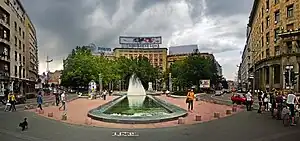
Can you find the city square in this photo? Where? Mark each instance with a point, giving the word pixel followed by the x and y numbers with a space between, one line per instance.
pixel 140 70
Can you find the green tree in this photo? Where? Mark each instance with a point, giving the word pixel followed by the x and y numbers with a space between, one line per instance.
pixel 189 71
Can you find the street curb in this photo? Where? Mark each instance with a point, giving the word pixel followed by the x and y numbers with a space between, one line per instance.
pixel 228 103
pixel 177 96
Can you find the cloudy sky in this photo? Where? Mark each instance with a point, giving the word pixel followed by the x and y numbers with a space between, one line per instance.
pixel 217 26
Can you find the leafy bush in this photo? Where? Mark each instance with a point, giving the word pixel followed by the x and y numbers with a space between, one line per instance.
pixel 180 93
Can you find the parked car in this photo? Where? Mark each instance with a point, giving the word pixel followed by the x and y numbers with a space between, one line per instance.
pixel 239 99
pixel 219 93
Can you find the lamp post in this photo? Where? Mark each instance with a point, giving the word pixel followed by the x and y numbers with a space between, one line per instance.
pixel 100 83
pixel 170 82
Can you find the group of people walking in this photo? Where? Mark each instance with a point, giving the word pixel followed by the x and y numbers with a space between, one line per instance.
pixel 275 102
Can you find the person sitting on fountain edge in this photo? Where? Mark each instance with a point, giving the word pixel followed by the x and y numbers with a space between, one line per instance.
pixel 190 100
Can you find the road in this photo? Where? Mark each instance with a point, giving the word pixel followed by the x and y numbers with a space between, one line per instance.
pixel 226 99
pixel 245 126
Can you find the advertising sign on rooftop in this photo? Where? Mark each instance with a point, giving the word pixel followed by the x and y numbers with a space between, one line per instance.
pixel 138 42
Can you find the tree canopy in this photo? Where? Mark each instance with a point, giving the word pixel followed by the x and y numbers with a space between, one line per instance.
pixel 190 71
pixel 80 67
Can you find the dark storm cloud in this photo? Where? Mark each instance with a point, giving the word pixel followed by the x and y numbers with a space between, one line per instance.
pixel 62 18
pixel 228 7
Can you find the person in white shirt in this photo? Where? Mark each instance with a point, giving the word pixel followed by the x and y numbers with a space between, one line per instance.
pixel 63 101
pixel 249 101
pixel 291 101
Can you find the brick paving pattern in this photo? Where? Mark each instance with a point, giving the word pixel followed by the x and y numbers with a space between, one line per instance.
pixel 77 113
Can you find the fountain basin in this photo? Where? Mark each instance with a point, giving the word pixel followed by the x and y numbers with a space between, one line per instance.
pixel 153 110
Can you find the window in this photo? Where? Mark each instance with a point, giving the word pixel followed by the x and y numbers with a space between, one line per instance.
pixel 262 55
pixel 289 47
pixel 24 73
pixel 16 26
pixel 262 27
pixel 16 41
pixel 23 35
pixel 277 74
pixel 16 71
pixel 290 27
pixel 268 38
pixel 276 1
pixel 268 21
pixel 20 58
pixel 267 4
pixel 16 56
pixel 267 52
pixel 290 11
pixel 248 57
pixel 277 50
pixel 276 32
pixel 20 31
pixel 24 60
pixel 23 47
pixel 262 12
pixel 277 16
pixel 20 45
pixel 262 41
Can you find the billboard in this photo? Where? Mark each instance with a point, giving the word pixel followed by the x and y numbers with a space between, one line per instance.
pixel 204 83
pixel 132 42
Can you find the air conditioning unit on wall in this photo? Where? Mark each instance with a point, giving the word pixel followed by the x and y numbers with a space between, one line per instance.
pixel 276 22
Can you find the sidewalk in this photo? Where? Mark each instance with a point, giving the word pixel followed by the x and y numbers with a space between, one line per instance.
pixel 46 100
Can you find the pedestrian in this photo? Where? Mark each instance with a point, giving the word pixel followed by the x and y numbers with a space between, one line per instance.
pixel 190 100
pixel 260 102
pixel 273 104
pixel 7 106
pixel 57 98
pixel 12 100
pixel 291 101
pixel 248 101
pixel 104 94
pixel 266 101
pixel 40 100
pixel 279 105
pixel 63 101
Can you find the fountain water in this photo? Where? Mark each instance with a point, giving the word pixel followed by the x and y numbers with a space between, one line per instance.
pixel 136 93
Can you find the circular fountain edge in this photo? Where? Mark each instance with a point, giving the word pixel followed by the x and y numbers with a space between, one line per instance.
pixel 176 113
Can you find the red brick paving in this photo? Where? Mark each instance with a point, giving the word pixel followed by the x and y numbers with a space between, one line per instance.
pixel 77 113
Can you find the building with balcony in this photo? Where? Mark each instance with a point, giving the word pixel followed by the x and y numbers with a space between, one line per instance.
pixel 156 56
pixel 14 46
pixel 273 42
pixel 31 54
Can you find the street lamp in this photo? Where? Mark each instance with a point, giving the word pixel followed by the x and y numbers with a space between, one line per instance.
pixel 100 83
pixel 170 82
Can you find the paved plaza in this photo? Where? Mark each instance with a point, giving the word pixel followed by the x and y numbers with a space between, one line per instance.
pixel 246 126
pixel 77 113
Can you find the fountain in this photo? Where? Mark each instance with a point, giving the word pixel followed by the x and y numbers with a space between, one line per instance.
pixel 136 107
pixel 136 93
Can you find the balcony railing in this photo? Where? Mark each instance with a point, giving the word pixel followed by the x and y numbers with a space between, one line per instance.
pixel 4 23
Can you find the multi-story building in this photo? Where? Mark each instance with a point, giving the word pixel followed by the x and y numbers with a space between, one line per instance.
pixel 14 45
pixel 31 51
pixel 274 40
pixel 156 56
